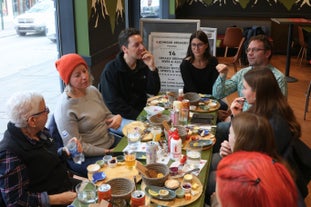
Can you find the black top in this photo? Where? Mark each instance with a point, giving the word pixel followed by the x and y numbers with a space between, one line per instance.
pixel 125 90
pixel 199 80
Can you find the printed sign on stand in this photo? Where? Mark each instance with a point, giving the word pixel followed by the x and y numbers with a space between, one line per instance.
pixel 169 49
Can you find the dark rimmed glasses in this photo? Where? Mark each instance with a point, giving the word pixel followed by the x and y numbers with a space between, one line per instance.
pixel 46 110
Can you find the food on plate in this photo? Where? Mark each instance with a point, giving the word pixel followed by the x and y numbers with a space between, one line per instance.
pixel 153 193
pixel 171 184
pixel 195 186
pixel 132 125
pixel 188 196
pixel 160 175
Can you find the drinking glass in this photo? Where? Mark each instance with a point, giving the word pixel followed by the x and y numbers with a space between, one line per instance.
pixel 86 192
pixel 194 156
pixel 134 137
pixel 183 116
pixel 130 159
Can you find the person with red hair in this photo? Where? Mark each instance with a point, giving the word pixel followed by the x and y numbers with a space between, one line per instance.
pixel 254 179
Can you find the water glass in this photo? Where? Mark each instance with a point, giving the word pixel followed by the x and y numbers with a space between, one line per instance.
pixel 194 156
pixel 183 116
pixel 130 159
pixel 134 137
pixel 78 157
pixel 86 192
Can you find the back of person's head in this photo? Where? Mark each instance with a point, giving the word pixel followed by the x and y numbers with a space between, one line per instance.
pixel 254 179
pixel 125 34
pixel 253 133
pixel 265 40
pixel 269 97
pixel 200 35
pixel 22 105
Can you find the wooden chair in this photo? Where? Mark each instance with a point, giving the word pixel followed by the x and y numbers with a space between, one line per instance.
pixel 307 101
pixel 232 38
pixel 303 45
pixel 236 59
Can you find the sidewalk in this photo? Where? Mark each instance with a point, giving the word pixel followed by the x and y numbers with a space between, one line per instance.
pixel 8 27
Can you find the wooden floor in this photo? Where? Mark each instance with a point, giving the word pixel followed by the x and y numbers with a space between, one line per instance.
pixel 296 97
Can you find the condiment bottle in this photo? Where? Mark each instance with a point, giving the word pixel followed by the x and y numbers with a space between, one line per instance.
pixel 180 94
pixel 175 146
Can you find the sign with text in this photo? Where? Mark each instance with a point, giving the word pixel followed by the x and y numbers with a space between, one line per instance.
pixel 168 50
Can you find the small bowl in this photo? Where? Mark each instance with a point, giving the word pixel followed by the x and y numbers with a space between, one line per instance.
pixel 173 171
pixel 172 184
pixel 193 97
pixel 188 178
pixel 180 193
pixel 112 162
pixel 101 163
pixel 186 187
pixel 163 193
pixel 157 119
pixel 93 168
pixel 120 158
pixel 106 158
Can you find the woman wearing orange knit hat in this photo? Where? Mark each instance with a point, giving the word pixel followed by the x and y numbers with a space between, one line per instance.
pixel 82 113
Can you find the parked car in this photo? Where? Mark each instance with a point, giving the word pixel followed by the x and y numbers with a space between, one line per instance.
pixel 36 19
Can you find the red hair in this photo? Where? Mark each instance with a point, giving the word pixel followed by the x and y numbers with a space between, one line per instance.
pixel 254 179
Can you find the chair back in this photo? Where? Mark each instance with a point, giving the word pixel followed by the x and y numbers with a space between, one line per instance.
pixel 301 39
pixel 233 36
pixel 52 127
pixel 239 52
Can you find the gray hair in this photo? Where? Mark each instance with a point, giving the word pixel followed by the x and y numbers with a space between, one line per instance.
pixel 22 105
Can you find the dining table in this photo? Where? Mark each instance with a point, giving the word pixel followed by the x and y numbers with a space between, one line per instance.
pixel 206 154
pixel 291 22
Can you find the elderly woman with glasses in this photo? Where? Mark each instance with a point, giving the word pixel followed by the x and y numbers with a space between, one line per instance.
pixel 31 172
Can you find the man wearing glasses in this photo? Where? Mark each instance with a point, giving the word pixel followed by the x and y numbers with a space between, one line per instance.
pixel 259 53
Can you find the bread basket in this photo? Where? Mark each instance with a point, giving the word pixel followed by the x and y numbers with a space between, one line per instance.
pixel 121 188
pixel 158 168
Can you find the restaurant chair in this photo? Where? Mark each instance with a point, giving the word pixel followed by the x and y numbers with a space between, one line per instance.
pixel 307 101
pixel 236 59
pixel 232 38
pixel 303 45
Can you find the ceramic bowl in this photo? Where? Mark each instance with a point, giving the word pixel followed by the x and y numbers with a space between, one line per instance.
pixel 92 168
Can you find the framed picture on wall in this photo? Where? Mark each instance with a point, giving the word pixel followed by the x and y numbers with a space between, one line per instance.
pixel 212 37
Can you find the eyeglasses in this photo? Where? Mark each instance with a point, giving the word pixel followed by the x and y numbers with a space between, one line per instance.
pixel 199 45
pixel 46 110
pixel 253 49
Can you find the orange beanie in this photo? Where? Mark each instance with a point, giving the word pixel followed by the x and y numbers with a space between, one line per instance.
pixel 67 63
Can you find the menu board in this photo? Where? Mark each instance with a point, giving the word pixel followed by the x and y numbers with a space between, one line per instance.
pixel 169 49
